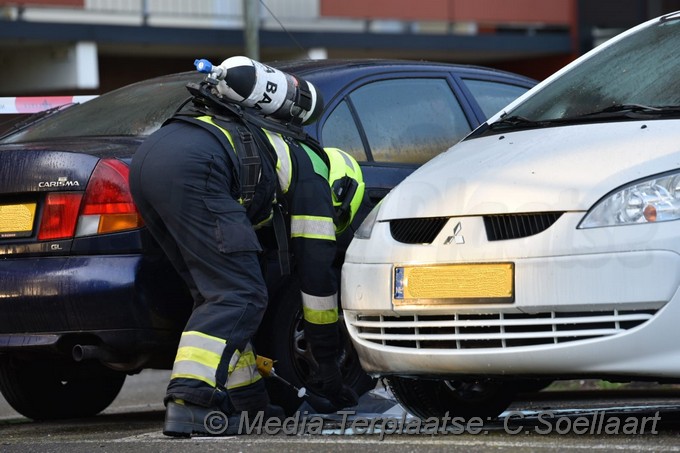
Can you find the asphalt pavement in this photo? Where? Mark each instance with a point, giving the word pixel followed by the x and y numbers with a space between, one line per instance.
pixel 553 421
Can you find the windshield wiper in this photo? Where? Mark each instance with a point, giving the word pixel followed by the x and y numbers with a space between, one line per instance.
pixel 35 118
pixel 515 122
pixel 508 123
pixel 631 111
pixel 505 124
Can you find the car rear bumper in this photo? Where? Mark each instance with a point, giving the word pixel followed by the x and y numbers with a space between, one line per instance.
pixel 126 303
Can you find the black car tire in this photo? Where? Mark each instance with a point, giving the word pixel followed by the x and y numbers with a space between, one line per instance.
pixel 282 339
pixel 48 390
pixel 532 385
pixel 430 398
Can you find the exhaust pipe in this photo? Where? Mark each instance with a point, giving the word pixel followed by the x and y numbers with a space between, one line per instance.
pixel 110 359
pixel 82 352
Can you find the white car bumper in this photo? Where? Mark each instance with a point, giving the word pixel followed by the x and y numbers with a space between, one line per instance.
pixel 585 302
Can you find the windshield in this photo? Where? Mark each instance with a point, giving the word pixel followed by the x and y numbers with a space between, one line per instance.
pixel 134 110
pixel 640 70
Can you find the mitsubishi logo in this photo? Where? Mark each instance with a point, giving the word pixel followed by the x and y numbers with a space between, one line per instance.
pixel 457 237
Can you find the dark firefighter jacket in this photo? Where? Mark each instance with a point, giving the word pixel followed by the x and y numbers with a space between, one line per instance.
pixel 303 183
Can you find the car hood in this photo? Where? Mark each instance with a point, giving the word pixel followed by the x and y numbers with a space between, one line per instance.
pixel 566 168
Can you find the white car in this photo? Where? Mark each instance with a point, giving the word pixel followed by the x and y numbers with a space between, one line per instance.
pixel 544 246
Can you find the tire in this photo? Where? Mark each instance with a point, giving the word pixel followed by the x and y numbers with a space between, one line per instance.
pixel 282 339
pixel 428 398
pixel 532 385
pixel 48 390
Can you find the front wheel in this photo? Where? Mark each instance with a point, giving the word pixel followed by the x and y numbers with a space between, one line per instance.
pixel 483 398
pixel 50 390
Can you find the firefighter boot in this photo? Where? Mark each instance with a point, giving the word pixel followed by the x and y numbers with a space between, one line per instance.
pixel 182 419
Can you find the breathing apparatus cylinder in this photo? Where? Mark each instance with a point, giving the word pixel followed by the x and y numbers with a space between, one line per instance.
pixel 274 93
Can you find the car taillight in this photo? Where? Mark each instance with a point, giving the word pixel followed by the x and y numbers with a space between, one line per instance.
pixel 60 214
pixel 107 205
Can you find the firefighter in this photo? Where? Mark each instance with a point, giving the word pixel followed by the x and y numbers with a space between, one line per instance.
pixel 187 182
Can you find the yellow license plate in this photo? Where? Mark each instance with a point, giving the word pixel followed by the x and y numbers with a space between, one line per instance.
pixel 454 283
pixel 16 220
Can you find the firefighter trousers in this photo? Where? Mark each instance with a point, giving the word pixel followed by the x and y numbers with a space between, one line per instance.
pixel 182 182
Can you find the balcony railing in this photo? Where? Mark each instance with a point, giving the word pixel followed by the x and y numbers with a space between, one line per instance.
pixel 442 16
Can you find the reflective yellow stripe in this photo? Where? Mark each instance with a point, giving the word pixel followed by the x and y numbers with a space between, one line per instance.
pixel 244 374
pixel 243 369
pixel 203 341
pixel 236 356
pixel 320 316
pixel 234 360
pixel 242 378
pixel 312 227
pixel 188 366
pixel 320 309
pixel 202 356
pixel 264 222
pixel 209 120
pixel 198 356
pixel 284 168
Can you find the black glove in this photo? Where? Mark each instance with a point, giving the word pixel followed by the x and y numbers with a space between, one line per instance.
pixel 330 385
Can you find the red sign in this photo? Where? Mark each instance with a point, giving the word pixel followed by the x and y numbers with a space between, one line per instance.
pixel 80 3
pixel 38 104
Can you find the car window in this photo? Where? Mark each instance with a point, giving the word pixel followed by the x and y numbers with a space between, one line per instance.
pixel 135 110
pixel 618 77
pixel 340 131
pixel 493 96
pixel 407 120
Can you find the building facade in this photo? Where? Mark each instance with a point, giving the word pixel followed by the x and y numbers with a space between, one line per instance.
pixel 92 46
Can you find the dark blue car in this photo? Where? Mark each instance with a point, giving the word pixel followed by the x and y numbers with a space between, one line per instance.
pixel 87 297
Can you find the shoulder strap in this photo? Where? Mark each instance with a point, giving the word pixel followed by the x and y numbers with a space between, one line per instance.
pixel 219 135
pixel 245 157
pixel 250 165
pixel 205 102
pixel 255 141
pixel 279 222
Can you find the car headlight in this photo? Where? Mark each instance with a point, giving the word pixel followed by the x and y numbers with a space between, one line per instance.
pixel 656 199
pixel 366 228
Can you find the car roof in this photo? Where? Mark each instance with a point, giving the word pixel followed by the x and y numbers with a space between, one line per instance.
pixel 330 77
pixel 373 65
pixel 327 73
pixel 331 68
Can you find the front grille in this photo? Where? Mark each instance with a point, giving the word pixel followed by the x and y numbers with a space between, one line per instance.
pixel 515 226
pixel 499 330
pixel 417 231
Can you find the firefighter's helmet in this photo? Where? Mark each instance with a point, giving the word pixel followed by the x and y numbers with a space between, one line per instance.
pixel 347 186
